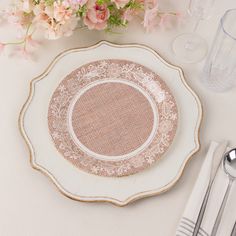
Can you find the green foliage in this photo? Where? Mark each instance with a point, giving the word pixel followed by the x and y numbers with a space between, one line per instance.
pixel 115 20
pixel 101 2
pixel 49 2
pixel 81 11
pixel 35 2
pixel 134 5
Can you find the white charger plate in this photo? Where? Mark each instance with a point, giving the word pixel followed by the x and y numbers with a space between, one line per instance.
pixel 82 186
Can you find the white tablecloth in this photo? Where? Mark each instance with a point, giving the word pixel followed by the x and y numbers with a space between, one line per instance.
pixel 29 203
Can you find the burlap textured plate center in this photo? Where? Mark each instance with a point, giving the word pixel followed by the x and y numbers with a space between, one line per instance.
pixel 109 119
pixel 112 117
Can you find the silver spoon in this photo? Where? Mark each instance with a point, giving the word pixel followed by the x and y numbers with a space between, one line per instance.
pixel 229 165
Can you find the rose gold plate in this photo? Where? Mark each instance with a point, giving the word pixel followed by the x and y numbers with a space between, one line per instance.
pixel 112 117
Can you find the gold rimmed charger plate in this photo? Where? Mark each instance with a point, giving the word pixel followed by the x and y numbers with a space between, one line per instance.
pixel 82 186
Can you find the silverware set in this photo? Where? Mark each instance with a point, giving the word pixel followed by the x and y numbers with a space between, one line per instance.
pixel 229 166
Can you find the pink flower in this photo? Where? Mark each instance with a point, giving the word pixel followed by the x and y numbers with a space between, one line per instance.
pixel 150 15
pixel 55 31
pixel 25 54
pixel 62 11
pixel 2 46
pixel 120 3
pixel 150 19
pixel 18 17
pixel 75 3
pixel 128 14
pixel 150 4
pixel 22 53
pixel 97 16
pixel 57 20
pixel 168 20
pixel 31 42
pixel 27 6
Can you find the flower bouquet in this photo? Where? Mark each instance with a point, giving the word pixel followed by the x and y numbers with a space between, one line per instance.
pixel 58 18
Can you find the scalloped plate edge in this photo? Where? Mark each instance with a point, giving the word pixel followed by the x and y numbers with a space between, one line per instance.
pixel 114 201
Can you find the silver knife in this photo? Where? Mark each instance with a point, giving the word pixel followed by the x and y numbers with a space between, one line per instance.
pixel 217 157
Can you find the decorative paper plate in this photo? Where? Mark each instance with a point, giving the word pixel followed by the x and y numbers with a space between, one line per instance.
pixel 112 117
pixel 98 119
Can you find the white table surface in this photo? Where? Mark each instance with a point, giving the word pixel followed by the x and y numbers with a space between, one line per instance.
pixel 30 205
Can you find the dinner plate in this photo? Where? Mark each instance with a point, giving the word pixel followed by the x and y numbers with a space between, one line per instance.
pixel 112 117
pixel 111 123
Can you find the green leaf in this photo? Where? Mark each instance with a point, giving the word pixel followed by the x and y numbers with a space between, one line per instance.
pixel 134 5
pixel 81 11
pixel 116 20
pixel 100 2
pixel 49 2
pixel 36 2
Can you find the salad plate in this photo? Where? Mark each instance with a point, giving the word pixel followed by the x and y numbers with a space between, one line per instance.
pixel 111 123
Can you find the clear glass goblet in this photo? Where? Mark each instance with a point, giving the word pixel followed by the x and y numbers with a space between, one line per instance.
pixel 219 72
pixel 190 47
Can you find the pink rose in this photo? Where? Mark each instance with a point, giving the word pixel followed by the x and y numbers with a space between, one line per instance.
pixel 120 3
pixel 97 16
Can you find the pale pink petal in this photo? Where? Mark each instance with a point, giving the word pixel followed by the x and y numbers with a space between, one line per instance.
pixel 89 23
pixel 168 21
pixel 101 26
pixel 25 54
pixel 22 53
pixel 120 3
pixel 78 2
pixel 27 6
pixel 128 14
pixel 31 42
pixel 150 19
pixel 92 15
pixel 150 4
pixel 51 34
pixel 37 10
pixel 2 46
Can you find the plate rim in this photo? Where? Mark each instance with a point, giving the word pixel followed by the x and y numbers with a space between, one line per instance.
pixel 135 196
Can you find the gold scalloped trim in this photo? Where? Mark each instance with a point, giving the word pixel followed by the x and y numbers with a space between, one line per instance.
pixel 104 198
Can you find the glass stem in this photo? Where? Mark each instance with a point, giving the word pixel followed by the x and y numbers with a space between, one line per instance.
pixel 196 25
pixel 189 44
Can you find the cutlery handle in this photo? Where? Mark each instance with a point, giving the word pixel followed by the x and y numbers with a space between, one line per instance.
pixel 202 211
pixel 214 168
pixel 221 210
pixel 233 233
